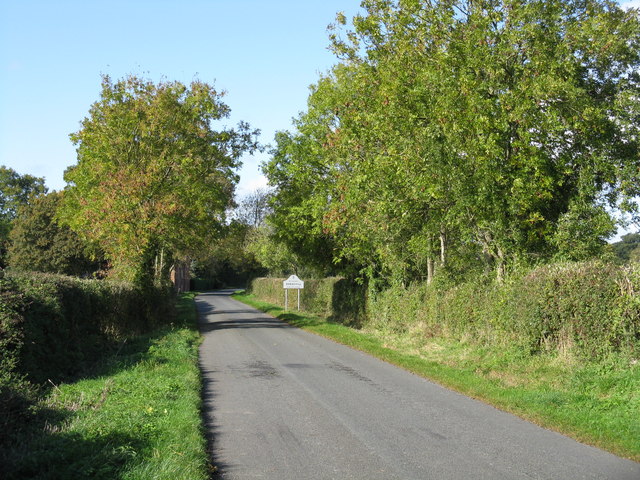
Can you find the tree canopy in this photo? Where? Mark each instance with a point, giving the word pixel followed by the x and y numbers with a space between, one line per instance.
pixel 40 244
pixel 15 191
pixel 154 173
pixel 465 134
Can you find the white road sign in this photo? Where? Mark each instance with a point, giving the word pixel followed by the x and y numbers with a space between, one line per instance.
pixel 293 282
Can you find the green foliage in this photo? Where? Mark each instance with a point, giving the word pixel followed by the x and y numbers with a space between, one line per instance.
pixel 65 323
pixel 588 309
pixel 153 176
pixel 233 260
pixel 227 262
pixel 11 325
pixel 274 254
pixel 626 246
pixel 582 232
pixel 301 176
pixel 54 328
pixel 15 191
pixel 336 298
pixel 40 243
pixel 459 134
pixel 17 395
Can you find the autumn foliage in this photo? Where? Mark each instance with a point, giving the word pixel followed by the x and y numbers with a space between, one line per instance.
pixel 154 176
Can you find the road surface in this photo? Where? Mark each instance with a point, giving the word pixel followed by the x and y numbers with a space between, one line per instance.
pixel 281 403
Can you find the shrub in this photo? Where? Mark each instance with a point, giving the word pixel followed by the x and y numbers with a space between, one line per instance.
pixel 590 309
pixel 16 394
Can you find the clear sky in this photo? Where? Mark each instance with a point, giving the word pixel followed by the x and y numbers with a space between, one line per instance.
pixel 263 53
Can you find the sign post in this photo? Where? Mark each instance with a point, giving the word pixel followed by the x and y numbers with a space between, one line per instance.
pixel 293 282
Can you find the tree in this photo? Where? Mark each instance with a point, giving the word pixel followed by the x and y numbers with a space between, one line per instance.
pixel 15 191
pixel 627 245
pixel 40 244
pixel 274 255
pixel 253 208
pixel 300 172
pixel 228 262
pixel 462 131
pixel 154 177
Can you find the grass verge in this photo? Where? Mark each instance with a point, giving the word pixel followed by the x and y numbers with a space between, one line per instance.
pixel 136 417
pixel 595 403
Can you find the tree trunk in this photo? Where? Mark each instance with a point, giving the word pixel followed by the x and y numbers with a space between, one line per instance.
pixel 429 270
pixel 500 266
pixel 443 247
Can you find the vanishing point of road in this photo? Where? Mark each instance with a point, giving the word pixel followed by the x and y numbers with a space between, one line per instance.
pixel 284 404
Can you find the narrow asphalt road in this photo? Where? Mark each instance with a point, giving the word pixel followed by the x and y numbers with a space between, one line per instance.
pixel 281 403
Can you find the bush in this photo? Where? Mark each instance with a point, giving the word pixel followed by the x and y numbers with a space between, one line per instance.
pixel 590 309
pixel 68 322
pixel 16 394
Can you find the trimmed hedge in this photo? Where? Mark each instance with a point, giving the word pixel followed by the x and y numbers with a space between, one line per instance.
pixel 588 309
pixel 336 298
pixel 53 327
pixel 67 322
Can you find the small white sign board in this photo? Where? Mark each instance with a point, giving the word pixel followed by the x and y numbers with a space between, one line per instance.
pixel 293 282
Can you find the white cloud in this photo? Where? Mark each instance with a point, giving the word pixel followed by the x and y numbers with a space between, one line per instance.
pixel 630 4
pixel 250 185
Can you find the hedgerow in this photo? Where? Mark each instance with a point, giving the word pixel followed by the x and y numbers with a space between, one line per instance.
pixel 590 309
pixel 54 327
pixel 336 298
pixel 587 309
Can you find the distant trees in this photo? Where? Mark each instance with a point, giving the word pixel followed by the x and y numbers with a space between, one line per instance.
pixel 464 135
pixel 15 191
pixel 39 243
pixel 253 208
pixel 628 248
pixel 227 262
pixel 154 175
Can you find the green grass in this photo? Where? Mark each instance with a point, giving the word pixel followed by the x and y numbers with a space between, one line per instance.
pixel 136 417
pixel 595 403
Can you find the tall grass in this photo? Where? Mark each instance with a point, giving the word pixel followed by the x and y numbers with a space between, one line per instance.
pixel 589 310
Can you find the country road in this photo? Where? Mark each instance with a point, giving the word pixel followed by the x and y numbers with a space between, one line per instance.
pixel 281 403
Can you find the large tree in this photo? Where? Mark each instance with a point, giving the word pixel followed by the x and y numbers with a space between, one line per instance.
pixel 155 172
pixel 252 208
pixel 460 129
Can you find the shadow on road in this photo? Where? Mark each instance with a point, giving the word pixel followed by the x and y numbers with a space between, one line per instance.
pixel 210 319
pixel 231 318
pixel 217 468
pixel 242 323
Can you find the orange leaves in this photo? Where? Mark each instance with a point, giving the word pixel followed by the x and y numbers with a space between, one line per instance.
pixel 150 167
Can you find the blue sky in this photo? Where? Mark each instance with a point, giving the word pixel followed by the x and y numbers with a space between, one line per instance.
pixel 263 53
